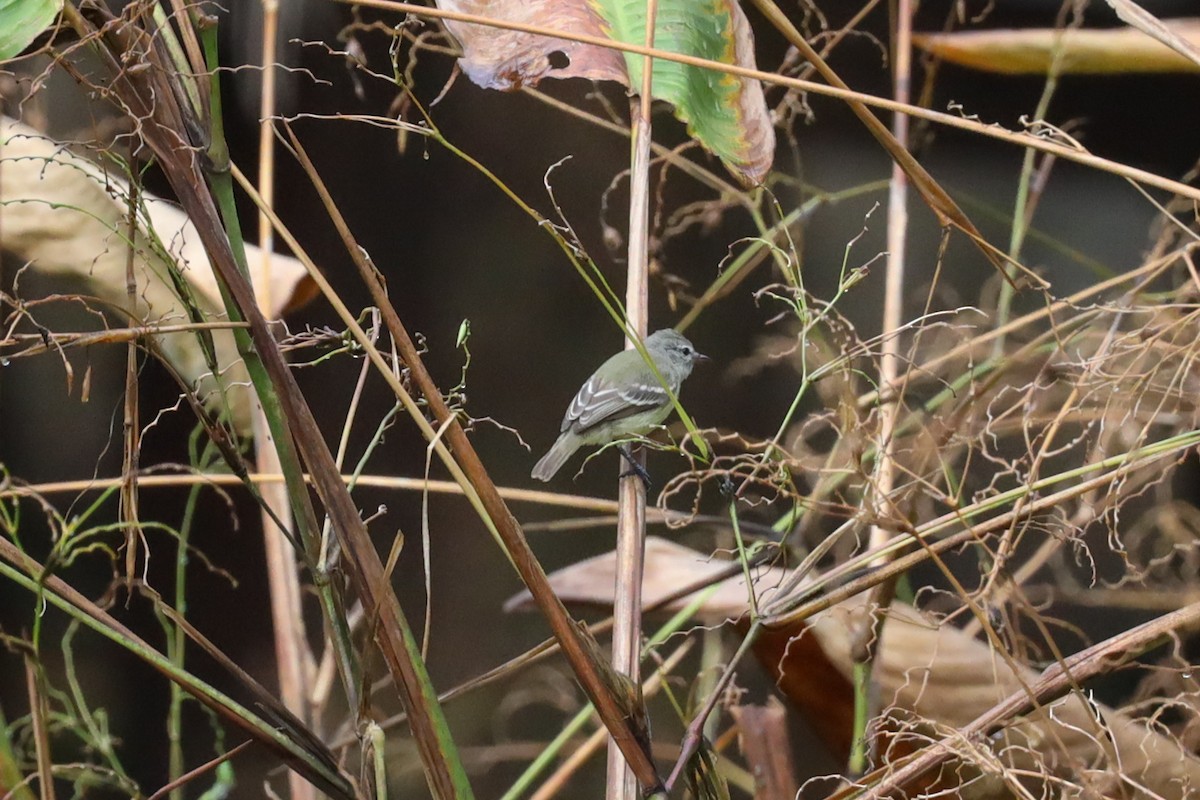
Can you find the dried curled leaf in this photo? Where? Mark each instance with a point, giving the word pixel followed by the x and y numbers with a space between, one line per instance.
pixel 935 673
pixel 669 566
pixel 933 678
pixel 63 215
pixel 725 113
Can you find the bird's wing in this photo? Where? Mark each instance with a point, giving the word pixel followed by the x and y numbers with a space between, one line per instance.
pixel 599 401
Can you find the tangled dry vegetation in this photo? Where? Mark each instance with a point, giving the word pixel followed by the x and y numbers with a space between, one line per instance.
pixel 959 527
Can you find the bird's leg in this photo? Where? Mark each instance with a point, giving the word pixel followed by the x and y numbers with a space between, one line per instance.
pixel 634 467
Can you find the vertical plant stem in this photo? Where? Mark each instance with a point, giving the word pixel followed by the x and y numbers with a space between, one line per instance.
pixel 893 301
pixel 572 763
pixel 283 579
pixel 1026 201
pixel 858 744
pixel 378 742
pixel 266 142
pixel 478 486
pixel 865 637
pixel 279 406
pixel 177 645
pixel 631 498
pixel 130 424
pixel 37 716
pixel 276 405
pixel 203 187
pixel 320 676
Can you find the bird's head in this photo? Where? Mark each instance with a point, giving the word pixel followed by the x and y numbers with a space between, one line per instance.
pixel 672 347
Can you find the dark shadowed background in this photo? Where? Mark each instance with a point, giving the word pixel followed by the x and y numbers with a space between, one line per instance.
pixel 453 248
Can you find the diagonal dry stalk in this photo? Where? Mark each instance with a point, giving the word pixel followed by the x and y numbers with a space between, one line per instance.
pixel 193 774
pixel 616 714
pixel 941 437
pixel 1070 152
pixel 306 756
pixel 152 98
pixel 1058 678
pixel 795 603
pixel 293 659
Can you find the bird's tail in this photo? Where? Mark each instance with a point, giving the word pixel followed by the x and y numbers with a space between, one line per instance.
pixel 566 445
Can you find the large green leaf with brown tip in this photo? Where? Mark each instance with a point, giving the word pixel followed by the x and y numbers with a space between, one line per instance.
pixel 725 113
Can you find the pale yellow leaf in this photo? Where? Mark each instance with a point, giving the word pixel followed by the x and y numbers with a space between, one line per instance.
pixel 1168 33
pixel 1083 52
pixel 62 214
pixel 727 114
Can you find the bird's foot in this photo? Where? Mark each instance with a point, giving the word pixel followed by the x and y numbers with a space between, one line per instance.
pixel 635 468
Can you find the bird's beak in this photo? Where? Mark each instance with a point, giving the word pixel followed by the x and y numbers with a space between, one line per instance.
pixel 700 358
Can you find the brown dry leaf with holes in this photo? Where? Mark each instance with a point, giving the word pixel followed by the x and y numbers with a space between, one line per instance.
pixel 63 215
pixel 495 58
pixel 1082 52
pixel 933 679
pixel 727 114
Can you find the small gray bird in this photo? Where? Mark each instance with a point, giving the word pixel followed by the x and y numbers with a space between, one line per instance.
pixel 623 398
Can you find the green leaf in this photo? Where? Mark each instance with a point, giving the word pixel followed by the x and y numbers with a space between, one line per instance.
pixel 24 21
pixel 724 112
